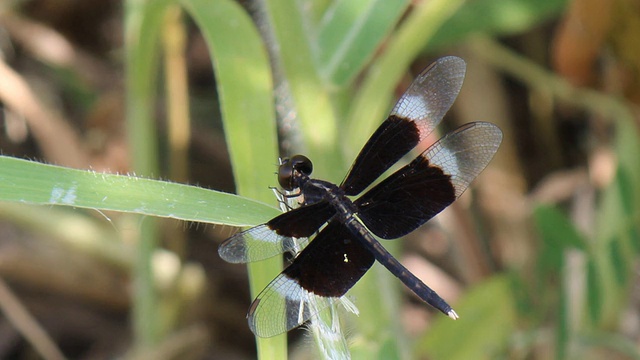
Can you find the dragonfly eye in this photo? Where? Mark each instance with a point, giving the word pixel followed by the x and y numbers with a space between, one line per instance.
pixel 293 170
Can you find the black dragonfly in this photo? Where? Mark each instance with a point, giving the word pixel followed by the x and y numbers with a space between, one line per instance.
pixel 344 249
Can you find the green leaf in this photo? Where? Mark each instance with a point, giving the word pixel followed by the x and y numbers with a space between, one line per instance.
pixel 594 292
pixel 619 261
pixel 245 88
pixel 143 21
pixel 487 322
pixel 349 34
pixel 142 24
pixel 557 230
pixel 628 194
pixel 36 183
pixel 627 146
pixel 310 98
pixel 626 190
pixel 563 328
pixel 496 17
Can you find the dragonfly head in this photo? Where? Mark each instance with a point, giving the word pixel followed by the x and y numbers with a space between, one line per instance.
pixel 294 171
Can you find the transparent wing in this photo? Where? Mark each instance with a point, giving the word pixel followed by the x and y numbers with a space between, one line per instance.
pixel 430 183
pixel 413 118
pixel 282 306
pixel 277 236
pixel 323 272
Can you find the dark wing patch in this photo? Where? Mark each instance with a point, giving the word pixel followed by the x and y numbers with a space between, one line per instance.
pixel 413 118
pixel 430 183
pixel 309 285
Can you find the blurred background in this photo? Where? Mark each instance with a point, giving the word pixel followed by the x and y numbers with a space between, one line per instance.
pixel 539 257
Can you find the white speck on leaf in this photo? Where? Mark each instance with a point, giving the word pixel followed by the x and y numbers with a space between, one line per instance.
pixel 60 195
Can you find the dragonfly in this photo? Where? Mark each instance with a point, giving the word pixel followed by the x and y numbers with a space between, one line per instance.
pixel 345 245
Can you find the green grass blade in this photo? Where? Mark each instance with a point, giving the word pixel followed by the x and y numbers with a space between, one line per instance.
pixel 557 230
pixel 350 33
pixel 243 77
pixel 245 89
pixel 35 183
pixel 142 25
pixel 311 99
pixel 143 20
pixel 496 17
pixel 595 293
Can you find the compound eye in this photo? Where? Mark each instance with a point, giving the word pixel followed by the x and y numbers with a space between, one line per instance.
pixel 293 170
pixel 302 164
pixel 285 174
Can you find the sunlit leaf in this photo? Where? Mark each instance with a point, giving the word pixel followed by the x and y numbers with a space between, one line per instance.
pixel 36 183
pixel 245 88
pixel 349 34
